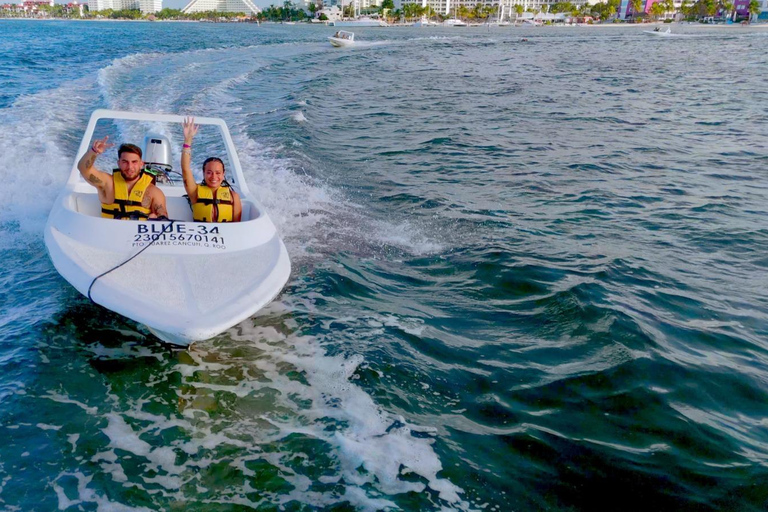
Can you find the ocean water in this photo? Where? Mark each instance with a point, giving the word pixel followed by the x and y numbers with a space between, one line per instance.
pixel 527 275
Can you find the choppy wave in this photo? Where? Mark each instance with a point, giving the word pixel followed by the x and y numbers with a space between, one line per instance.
pixel 523 275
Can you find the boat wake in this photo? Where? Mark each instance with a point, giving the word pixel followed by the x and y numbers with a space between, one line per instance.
pixel 264 408
pixel 261 406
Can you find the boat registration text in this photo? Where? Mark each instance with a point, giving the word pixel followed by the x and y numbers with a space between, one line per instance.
pixel 178 234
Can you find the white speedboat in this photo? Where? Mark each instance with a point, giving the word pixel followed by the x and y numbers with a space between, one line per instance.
pixel 342 38
pixel 454 22
pixel 659 32
pixel 186 281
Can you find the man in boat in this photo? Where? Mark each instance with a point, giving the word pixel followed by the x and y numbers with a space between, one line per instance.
pixel 213 199
pixel 128 193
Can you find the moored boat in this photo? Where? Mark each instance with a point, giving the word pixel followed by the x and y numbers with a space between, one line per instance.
pixel 454 22
pixel 363 21
pixel 186 281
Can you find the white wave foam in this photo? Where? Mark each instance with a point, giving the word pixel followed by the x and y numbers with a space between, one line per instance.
pixel 255 393
pixel 87 495
pixel 32 135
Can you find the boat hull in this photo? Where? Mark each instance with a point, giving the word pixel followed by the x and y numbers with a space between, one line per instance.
pixel 340 43
pixel 186 281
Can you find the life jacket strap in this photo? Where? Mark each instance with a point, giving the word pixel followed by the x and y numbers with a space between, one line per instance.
pixel 214 201
pixel 120 214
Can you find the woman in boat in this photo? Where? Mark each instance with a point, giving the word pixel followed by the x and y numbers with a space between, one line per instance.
pixel 213 199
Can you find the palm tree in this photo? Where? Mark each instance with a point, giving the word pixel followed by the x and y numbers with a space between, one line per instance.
pixel 409 10
pixel 637 8
pixel 726 8
pixel 754 8
pixel 657 10
pixel 669 6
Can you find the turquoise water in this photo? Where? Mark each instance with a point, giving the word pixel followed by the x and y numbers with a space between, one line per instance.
pixel 526 275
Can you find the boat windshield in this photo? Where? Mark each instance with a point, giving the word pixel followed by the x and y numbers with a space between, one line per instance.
pixel 161 145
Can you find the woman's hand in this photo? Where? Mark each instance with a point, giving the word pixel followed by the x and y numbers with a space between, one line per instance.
pixel 190 129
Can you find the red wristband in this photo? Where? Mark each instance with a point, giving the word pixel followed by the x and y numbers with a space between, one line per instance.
pixel 187 146
pixel 94 150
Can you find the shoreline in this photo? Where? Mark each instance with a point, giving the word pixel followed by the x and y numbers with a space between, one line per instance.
pixel 706 26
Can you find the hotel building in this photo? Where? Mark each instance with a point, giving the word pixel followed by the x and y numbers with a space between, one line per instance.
pixel 145 6
pixel 246 6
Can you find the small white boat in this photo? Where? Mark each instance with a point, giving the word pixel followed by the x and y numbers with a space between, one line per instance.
pixel 186 281
pixel 659 32
pixel 342 38
pixel 425 22
pixel 454 22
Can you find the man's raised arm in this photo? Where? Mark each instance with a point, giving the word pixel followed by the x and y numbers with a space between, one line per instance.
pixel 95 177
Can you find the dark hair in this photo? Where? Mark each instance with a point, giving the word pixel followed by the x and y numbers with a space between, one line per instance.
pixel 214 159
pixel 128 148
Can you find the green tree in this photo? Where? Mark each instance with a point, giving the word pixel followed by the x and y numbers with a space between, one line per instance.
pixel 411 10
pixel 637 8
pixel 170 14
pixel 562 7
pixel 603 10
pixel 754 8
pixel 462 12
pixel 657 10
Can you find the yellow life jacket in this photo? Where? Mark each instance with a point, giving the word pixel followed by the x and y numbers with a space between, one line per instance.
pixel 128 207
pixel 214 206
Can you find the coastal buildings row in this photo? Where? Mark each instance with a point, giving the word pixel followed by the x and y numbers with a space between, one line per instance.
pixel 334 8
pixel 34 6
pixel 150 6
pixel 145 6
pixel 508 7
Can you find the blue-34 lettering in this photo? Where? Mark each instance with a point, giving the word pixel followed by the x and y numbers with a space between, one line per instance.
pixel 158 228
pixel 179 234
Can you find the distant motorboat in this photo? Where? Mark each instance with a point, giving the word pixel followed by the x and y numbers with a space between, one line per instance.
pixel 342 38
pixel 659 32
pixel 454 22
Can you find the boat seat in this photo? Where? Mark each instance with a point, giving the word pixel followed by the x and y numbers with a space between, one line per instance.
pixel 178 207
pixel 89 204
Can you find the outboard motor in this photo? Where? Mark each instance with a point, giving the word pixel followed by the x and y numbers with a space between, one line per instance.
pixel 157 159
